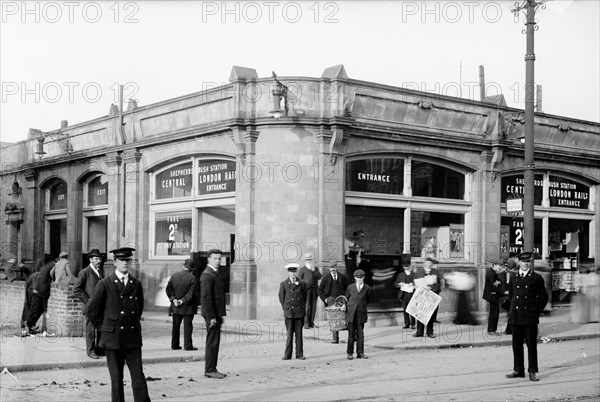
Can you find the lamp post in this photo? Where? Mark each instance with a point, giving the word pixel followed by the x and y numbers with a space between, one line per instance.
pixel 530 7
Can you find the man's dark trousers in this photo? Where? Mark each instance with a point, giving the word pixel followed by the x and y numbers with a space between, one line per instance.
pixel 493 316
pixel 213 341
pixel 311 306
pixel 187 330
pixel 293 327
pixel 421 327
pixel 115 359
pixel 92 338
pixel 529 334
pixel 356 333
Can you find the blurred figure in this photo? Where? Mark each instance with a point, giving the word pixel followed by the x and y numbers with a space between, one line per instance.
pixel 543 269
pixel 511 266
pixel 492 293
pixel 462 283
pixel 406 282
pixel 587 300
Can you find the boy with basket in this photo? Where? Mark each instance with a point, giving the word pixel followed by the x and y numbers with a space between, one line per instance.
pixel 332 285
pixel 358 295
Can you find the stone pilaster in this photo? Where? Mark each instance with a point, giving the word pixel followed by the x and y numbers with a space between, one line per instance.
pixel 33 227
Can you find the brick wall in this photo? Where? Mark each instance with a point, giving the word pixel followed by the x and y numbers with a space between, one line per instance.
pixel 63 316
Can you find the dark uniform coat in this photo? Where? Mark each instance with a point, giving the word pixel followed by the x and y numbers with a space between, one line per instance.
pixel 115 310
pixel 212 293
pixel 491 292
pixel 293 298
pixel 85 284
pixel 528 298
pixel 357 302
pixel 182 286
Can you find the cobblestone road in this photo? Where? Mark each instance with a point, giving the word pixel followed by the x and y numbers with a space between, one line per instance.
pixel 568 370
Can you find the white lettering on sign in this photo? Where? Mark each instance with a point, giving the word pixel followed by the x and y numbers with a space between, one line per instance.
pixel 173 182
pixel 101 191
pixel 180 172
pixel 374 177
pixel 209 178
pixel 169 245
pixel 60 197
pixel 173 218
pixel 216 187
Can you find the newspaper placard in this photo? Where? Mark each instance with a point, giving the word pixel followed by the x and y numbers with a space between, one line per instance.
pixel 423 304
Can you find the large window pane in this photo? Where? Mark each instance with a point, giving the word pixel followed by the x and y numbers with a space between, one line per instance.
pixel 97 228
pixel 512 186
pixel 378 231
pixel 58 196
pixel 173 233
pixel 436 234
pixel 375 175
pixel 174 182
pixel 215 226
pixel 429 180
pixel 568 193
pixel 98 191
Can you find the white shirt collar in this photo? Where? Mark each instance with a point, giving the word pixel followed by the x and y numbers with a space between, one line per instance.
pixel 120 276
pixel 97 271
pixel 213 268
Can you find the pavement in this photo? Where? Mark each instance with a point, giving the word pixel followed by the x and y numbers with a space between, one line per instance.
pixel 381 332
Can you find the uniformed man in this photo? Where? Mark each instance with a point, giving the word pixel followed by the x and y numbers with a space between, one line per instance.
pixel 528 297
pixel 115 309
pixel 292 296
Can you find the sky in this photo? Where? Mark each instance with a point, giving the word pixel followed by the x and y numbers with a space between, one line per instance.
pixel 64 59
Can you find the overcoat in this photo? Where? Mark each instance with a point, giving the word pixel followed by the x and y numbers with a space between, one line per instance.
pixel 212 294
pixel 357 302
pixel 85 284
pixel 115 310
pixel 182 286
pixel 491 292
pixel 293 298
pixel 528 298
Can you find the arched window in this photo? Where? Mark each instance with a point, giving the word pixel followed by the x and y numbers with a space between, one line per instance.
pixel 95 213
pixel 55 234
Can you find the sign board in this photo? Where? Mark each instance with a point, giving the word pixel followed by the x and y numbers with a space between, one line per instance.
pixel 422 304
pixel 216 176
pixel 375 175
pixel 514 205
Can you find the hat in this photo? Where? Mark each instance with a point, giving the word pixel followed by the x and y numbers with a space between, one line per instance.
pixel 359 273
pixel 333 265
pixel 433 260
pixel 94 253
pixel 292 267
pixel 525 256
pixel 308 256
pixel 189 263
pixel 63 254
pixel 511 264
pixel 123 253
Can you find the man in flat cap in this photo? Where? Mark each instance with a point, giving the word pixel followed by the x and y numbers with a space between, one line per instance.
pixel 332 286
pixel 528 298
pixel 84 287
pixel 492 292
pixel 181 291
pixel 115 309
pixel 433 278
pixel 310 275
pixel 61 272
pixel 292 296
pixel 212 293
pixel 358 295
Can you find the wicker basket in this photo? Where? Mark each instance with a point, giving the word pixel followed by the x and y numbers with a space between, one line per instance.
pixel 336 316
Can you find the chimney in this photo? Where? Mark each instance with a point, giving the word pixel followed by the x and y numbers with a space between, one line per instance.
pixel 481 83
pixel 64 124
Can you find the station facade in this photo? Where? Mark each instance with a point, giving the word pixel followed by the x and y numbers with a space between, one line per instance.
pixel 356 173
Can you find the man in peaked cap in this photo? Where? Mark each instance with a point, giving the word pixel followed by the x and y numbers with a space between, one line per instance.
pixel 528 298
pixel 84 287
pixel 310 275
pixel 359 296
pixel 181 291
pixel 292 296
pixel 115 309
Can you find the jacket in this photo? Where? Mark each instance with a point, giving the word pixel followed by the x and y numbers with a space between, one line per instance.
pixel 325 288
pixel 310 278
pixel 115 310
pixel 293 298
pixel 84 285
pixel 212 293
pixel 357 303
pixel 182 286
pixel 491 292
pixel 528 298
